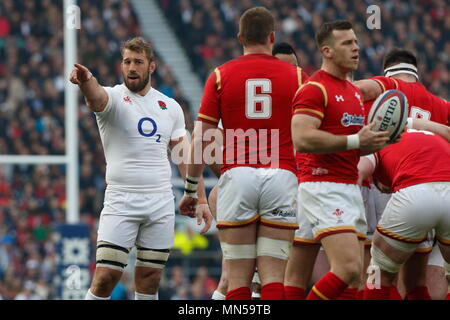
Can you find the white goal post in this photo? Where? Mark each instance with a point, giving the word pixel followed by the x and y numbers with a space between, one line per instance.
pixel 70 159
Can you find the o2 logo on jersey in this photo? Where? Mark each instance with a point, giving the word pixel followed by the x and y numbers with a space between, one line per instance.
pixel 147 127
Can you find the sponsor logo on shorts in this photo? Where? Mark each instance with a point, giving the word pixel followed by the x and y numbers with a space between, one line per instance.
pixel 315 224
pixel 281 213
pixel 338 213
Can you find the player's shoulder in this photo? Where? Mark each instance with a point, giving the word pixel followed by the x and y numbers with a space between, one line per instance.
pixel 118 88
pixel 317 81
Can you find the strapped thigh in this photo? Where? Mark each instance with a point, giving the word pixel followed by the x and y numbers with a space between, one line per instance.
pixel 152 258
pixel 111 256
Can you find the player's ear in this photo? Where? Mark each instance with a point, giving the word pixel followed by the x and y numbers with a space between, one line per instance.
pixel 327 51
pixel 152 67
pixel 272 37
pixel 239 38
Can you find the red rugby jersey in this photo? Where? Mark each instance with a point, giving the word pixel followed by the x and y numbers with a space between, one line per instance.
pixel 338 104
pixel 419 157
pixel 253 94
pixel 421 103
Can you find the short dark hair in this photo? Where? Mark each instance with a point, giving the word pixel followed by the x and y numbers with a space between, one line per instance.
pixel 138 44
pixel 255 25
pixel 397 55
pixel 283 48
pixel 326 29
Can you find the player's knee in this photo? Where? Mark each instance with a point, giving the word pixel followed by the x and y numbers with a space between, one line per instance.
pixel 352 271
pixel 147 279
pixel 148 274
pixel 273 248
pixel 381 260
pixel 111 256
pixel 104 281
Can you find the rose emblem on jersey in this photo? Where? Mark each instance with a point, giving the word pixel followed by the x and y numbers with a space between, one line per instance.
pixel 162 105
pixel 338 213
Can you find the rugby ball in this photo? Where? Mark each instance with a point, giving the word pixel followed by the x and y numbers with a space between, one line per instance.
pixel 390 110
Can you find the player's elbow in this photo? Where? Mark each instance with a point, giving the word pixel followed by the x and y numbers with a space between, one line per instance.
pixel 446 134
pixel 302 144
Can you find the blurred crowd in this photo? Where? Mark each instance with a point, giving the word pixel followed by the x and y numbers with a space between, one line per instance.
pixel 422 26
pixel 32 198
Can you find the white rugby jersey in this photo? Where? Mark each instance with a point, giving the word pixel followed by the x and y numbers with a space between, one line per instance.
pixel 135 133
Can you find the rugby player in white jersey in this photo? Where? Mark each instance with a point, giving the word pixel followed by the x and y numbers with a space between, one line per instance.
pixel 137 125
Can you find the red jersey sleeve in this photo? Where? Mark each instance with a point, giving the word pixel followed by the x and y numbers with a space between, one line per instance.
pixel 386 83
pixel 302 76
pixel 311 100
pixel 209 107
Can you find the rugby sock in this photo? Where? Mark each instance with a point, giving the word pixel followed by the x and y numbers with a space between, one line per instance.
pixel 242 293
pixel 91 296
pixel 448 297
pixel 360 295
pixel 143 296
pixel 348 294
pixel 273 291
pixel 395 295
pixel 383 293
pixel 294 293
pixel 217 296
pixel 419 293
pixel 329 287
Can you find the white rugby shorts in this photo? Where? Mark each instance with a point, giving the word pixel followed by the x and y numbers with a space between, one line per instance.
pixel 249 194
pixel 414 211
pixel 143 219
pixel 326 208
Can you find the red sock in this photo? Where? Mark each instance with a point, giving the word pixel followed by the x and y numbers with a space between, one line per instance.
pixel 348 294
pixel 448 297
pixel 329 287
pixel 383 293
pixel 395 295
pixel 242 293
pixel 360 295
pixel 294 293
pixel 419 293
pixel 272 291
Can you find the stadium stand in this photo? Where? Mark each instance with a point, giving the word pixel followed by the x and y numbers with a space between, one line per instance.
pixel 422 27
pixel 32 198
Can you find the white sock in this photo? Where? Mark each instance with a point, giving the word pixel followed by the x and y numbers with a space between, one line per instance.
pixel 91 296
pixel 218 296
pixel 142 296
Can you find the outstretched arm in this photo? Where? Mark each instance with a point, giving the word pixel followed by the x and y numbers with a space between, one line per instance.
pixel 94 94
